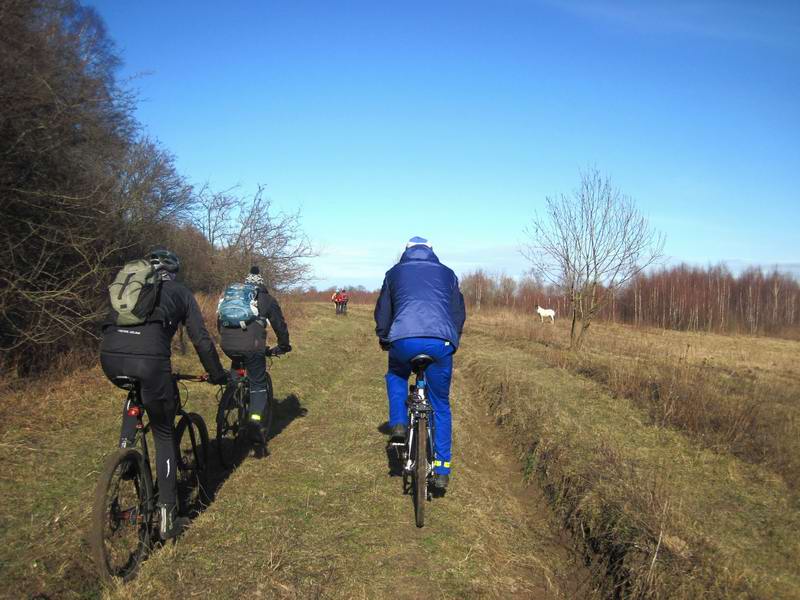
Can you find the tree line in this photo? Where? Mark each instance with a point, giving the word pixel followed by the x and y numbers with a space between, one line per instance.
pixel 83 189
pixel 683 297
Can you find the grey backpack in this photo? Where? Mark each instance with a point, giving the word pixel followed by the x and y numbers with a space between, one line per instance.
pixel 134 292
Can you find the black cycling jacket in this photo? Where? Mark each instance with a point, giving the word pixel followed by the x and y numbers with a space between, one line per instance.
pixel 235 340
pixel 176 305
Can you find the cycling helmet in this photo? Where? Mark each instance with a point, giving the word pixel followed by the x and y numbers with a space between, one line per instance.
pixel 161 258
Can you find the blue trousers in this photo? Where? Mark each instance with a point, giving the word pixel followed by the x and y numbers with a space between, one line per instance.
pixel 437 377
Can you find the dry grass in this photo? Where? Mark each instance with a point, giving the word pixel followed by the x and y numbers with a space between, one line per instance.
pixel 318 518
pixel 733 394
pixel 54 432
pixel 656 513
pixel 321 519
pixel 659 515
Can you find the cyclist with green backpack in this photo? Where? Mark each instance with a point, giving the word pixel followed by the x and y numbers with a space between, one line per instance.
pixel 244 311
pixel 147 305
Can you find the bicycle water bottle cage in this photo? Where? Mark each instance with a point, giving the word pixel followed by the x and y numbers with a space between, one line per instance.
pixel 421 362
pixel 126 383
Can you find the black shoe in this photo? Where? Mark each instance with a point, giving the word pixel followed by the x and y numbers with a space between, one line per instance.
pixel 171 524
pixel 255 433
pixel 398 432
pixel 440 481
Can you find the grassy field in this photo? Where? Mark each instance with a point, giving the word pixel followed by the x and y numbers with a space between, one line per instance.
pixel 657 449
pixel 569 481
pixel 319 517
pixel 732 394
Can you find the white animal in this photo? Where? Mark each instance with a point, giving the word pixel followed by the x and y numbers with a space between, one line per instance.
pixel 546 312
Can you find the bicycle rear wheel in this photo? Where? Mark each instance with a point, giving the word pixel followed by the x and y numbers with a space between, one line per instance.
pixel 122 516
pixel 420 469
pixel 192 463
pixel 230 420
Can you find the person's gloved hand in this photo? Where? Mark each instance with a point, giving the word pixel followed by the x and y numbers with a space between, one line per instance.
pixel 385 345
pixel 221 379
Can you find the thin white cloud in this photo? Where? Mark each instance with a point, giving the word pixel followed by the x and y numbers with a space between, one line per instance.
pixel 759 23
pixel 340 264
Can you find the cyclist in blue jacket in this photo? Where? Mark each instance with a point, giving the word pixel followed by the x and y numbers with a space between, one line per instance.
pixel 420 310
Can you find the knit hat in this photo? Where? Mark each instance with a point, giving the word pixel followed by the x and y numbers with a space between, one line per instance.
pixel 255 276
pixel 418 241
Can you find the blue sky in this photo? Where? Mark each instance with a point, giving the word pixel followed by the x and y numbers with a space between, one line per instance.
pixel 454 120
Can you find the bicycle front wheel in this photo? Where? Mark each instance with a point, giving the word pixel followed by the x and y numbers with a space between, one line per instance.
pixel 122 516
pixel 420 469
pixel 192 439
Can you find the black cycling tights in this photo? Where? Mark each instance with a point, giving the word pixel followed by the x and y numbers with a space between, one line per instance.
pixel 159 396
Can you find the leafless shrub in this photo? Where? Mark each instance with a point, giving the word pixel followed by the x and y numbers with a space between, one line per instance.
pixel 81 192
pixel 245 231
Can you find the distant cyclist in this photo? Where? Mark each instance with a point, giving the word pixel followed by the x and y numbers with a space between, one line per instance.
pixel 420 310
pixel 245 344
pixel 344 298
pixel 335 300
pixel 143 351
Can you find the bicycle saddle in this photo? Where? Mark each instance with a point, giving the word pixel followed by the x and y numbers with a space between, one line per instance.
pixel 125 382
pixel 421 362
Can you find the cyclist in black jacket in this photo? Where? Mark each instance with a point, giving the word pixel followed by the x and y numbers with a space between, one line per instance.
pixel 246 347
pixel 143 351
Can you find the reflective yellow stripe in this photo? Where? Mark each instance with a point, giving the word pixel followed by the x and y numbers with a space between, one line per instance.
pixel 447 465
pixel 438 463
pixel 255 417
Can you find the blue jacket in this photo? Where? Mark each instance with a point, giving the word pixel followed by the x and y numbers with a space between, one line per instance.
pixel 420 298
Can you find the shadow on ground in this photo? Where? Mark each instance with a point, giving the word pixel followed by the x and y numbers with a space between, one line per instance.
pixel 286 411
pixel 394 459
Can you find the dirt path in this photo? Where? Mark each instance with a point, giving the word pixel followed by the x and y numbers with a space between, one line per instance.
pixel 321 517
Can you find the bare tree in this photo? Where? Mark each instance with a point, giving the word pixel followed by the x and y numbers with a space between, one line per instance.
pixel 64 129
pixel 274 240
pixel 244 231
pixel 212 215
pixel 589 244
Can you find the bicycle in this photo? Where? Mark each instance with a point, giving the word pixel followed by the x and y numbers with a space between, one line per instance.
pixel 233 410
pixel 416 451
pixel 124 516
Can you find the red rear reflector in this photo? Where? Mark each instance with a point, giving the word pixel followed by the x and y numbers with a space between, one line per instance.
pixel 241 372
pixel 134 411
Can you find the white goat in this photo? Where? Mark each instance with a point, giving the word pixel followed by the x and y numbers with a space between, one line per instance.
pixel 546 312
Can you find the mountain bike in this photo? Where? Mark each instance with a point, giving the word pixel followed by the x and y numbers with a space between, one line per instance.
pixel 233 413
pixel 124 523
pixel 416 452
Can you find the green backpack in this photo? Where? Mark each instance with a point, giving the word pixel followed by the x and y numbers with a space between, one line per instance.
pixel 134 292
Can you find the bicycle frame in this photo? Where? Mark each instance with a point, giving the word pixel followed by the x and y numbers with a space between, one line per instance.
pixel 135 408
pixel 418 404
